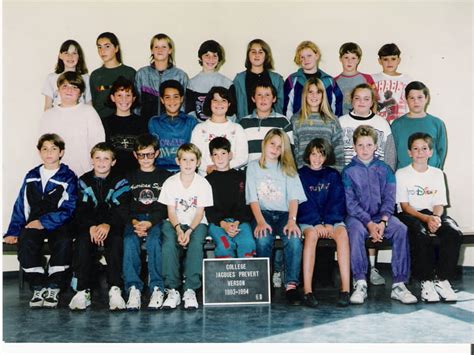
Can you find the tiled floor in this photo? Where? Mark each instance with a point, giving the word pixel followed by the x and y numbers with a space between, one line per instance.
pixel 379 320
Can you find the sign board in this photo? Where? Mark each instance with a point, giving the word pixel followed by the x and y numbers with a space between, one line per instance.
pixel 236 281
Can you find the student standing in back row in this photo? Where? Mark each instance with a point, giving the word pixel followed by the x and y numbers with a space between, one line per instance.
pixel 160 69
pixel 259 64
pixel 102 78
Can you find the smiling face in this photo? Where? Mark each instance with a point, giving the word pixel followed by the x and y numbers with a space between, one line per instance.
pixel 219 106
pixel 314 98
pixel 349 61
pixel 146 158
pixel 102 162
pixel 188 163
pixel 70 58
pixel 417 102
pixel 362 102
pixel 69 94
pixel 123 100
pixel 309 60
pixel 51 155
pixel 316 159
pixel 161 50
pixel 172 101
pixel 107 51
pixel 420 152
pixel 365 148
pixel 221 159
pixel 210 60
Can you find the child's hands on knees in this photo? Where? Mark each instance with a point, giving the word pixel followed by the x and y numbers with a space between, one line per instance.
pixel 10 239
pixel 141 227
pixel 292 228
pixel 261 229
pixel 231 228
pixel 433 222
pixel 376 231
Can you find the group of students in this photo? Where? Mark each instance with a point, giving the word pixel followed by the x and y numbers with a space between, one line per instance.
pixel 272 154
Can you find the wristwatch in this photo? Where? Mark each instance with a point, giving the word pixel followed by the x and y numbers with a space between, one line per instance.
pixel 384 222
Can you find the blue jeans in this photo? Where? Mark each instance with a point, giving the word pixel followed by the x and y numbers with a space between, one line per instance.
pixel 292 245
pixel 132 261
pixel 240 246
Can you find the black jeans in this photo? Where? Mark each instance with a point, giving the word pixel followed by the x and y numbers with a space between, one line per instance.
pixel 422 248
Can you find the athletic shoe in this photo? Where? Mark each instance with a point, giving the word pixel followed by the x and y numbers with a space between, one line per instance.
pixel 134 299
pixel 156 299
pixel 38 298
pixel 428 292
pixel 343 300
pixel 445 291
pixel 190 300
pixel 51 298
pixel 402 294
pixel 276 279
pixel 172 300
pixel 309 300
pixel 116 301
pixel 360 292
pixel 81 300
pixel 375 278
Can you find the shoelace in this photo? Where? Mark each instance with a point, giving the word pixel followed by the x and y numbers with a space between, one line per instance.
pixel 51 293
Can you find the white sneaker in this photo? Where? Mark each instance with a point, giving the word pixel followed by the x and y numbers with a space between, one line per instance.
pixel 276 279
pixel 445 291
pixel 360 292
pixel 134 299
pixel 190 300
pixel 116 301
pixel 428 292
pixel 375 278
pixel 38 298
pixel 51 298
pixel 81 300
pixel 172 300
pixel 156 299
pixel 402 294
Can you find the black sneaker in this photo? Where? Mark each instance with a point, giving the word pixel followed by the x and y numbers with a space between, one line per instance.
pixel 309 300
pixel 343 299
pixel 293 297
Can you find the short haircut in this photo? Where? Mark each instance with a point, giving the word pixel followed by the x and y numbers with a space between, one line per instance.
pixel 222 92
pixel 103 147
pixel 417 85
pixel 213 47
pixel 145 140
pixel 72 78
pixel 364 131
pixel 53 138
pixel 350 47
pixel 268 63
pixel 219 143
pixel 81 67
pixel 420 135
pixel 389 49
pixel 174 84
pixel 162 36
pixel 189 148
pixel 372 94
pixel 323 147
pixel 266 84
pixel 124 84
pixel 114 40
pixel 304 45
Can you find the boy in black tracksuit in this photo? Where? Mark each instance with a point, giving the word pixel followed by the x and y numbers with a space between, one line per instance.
pixel 97 224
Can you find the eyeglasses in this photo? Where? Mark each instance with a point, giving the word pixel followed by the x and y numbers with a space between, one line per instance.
pixel 145 155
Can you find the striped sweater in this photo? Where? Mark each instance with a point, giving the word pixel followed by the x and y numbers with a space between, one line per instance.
pixel 314 127
pixel 256 128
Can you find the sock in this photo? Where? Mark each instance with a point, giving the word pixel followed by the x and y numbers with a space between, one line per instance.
pixel 372 260
pixel 290 286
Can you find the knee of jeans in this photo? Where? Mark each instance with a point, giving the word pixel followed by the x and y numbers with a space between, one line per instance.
pixel 294 244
